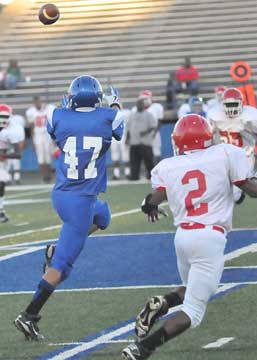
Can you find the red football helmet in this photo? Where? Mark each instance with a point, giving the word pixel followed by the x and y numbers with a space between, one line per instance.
pixel 232 102
pixel 5 114
pixel 191 132
pixel 219 90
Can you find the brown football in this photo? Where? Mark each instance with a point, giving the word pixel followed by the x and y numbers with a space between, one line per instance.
pixel 48 14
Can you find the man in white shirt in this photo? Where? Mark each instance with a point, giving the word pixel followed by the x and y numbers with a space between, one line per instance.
pixel 198 184
pixel 37 116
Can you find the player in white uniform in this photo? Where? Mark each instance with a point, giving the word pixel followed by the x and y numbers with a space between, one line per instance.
pixel 235 124
pixel 14 165
pixel 216 101
pixel 37 116
pixel 198 184
pixel 120 151
pixel 156 109
pixel 194 105
pixel 11 138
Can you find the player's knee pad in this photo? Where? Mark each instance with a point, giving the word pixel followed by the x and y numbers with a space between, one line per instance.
pixel 195 311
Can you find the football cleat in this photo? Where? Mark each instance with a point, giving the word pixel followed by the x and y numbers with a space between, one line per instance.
pixel 27 324
pixel 135 352
pixel 3 217
pixel 49 253
pixel 152 311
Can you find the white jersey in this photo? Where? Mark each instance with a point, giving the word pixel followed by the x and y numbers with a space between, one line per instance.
pixel 212 103
pixel 240 131
pixel 39 118
pixel 12 134
pixel 18 120
pixel 199 185
pixel 185 109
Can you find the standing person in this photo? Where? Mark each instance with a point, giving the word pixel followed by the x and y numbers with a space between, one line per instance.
pixel 194 105
pixel 141 128
pixel 120 152
pixel 156 109
pixel 198 184
pixel 11 136
pixel 235 124
pixel 37 116
pixel 14 165
pixel 83 131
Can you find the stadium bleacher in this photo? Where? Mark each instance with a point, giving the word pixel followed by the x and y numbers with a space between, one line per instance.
pixel 132 44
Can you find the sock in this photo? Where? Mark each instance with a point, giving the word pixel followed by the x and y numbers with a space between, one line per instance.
pixel 116 172
pixel 43 292
pixel 173 299
pixel 1 203
pixel 158 338
pixel 127 171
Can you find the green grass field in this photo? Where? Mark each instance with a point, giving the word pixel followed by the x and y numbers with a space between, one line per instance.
pixel 71 316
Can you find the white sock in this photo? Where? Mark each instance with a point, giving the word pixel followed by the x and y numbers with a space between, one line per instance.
pixel 1 203
pixel 116 172
pixel 127 171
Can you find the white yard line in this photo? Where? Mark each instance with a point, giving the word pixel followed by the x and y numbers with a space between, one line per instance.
pixel 108 337
pixel 21 252
pixel 25 201
pixel 26 232
pixel 83 342
pixel 219 343
pixel 24 194
pixel 240 267
pixel 244 250
pixel 50 186
pixel 117 288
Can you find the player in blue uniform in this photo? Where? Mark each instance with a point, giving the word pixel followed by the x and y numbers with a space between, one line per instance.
pixel 196 105
pixel 83 131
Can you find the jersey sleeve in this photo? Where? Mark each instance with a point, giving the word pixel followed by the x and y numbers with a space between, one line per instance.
pixel 239 166
pixel 118 126
pixel 17 134
pixel 50 121
pixel 156 178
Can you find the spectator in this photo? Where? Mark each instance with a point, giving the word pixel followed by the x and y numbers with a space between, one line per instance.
pixel 13 75
pixel 2 77
pixel 170 93
pixel 37 116
pixel 186 78
pixel 141 129
pixel 120 152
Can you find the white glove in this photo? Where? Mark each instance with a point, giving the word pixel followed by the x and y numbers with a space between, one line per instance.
pixel 113 97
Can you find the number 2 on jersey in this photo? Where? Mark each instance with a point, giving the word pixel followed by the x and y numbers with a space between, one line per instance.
pixel 70 149
pixel 193 194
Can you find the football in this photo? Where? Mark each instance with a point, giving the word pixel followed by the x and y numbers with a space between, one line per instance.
pixel 48 14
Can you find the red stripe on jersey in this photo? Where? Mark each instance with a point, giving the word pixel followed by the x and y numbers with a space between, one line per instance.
pixel 239 182
pixel 161 188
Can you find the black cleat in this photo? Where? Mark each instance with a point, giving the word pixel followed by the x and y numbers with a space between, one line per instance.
pixel 27 324
pixel 241 199
pixel 3 217
pixel 135 352
pixel 152 311
pixel 49 253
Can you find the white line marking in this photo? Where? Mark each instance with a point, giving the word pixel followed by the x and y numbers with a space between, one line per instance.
pixel 50 186
pixel 240 267
pixel 26 232
pixel 24 194
pixel 22 224
pixel 244 250
pixel 219 343
pixel 22 252
pixel 114 288
pixel 108 337
pixel 84 342
pixel 25 201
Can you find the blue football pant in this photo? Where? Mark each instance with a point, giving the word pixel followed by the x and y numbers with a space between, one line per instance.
pixel 77 213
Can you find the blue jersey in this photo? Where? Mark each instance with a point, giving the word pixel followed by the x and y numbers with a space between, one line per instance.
pixel 84 138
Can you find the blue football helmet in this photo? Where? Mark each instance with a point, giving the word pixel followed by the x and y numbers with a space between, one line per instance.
pixel 84 91
pixel 196 104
